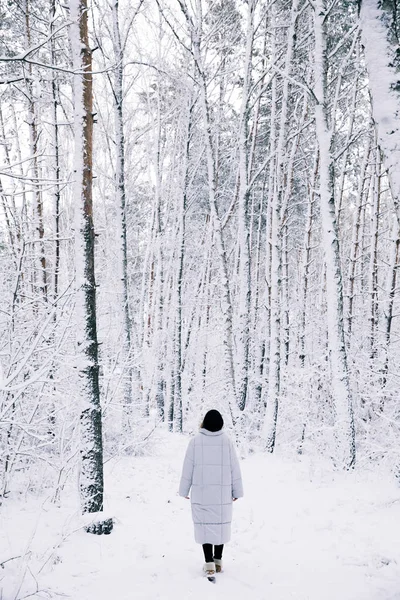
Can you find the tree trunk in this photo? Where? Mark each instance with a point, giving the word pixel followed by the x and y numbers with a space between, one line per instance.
pixel 242 341
pixel 356 241
pixel 345 433
pixel 394 266
pixel 305 272
pixel 273 275
pixel 56 167
pixel 179 282
pixel 379 26
pixel 373 260
pixel 41 278
pixel 91 448
pixel 121 219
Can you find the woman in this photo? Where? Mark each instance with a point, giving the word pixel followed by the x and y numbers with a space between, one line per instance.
pixel 211 470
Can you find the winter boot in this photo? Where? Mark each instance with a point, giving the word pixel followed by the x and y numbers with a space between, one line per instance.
pixel 209 569
pixel 218 565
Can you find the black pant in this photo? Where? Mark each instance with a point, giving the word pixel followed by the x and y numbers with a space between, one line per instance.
pixel 208 552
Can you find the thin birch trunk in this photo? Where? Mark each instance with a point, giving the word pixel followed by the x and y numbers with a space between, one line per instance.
pixel 364 242
pixel 121 203
pixel 342 179
pixel 373 261
pixel 258 323
pixel 8 200
pixel 393 276
pixel 305 282
pixel 345 432
pixel 242 341
pixel 34 144
pixel 305 272
pixel 356 241
pixel 277 216
pixel 273 275
pixel 179 282
pixel 23 213
pixel 285 177
pixel 56 165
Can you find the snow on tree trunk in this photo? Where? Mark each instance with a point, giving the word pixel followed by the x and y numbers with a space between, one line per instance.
pixel 383 78
pixel 344 426
pixel 277 208
pixel 275 327
pixel 305 271
pixel 34 132
pixel 393 276
pixel 121 220
pixel 91 445
pixel 273 277
pixel 356 241
pixel 242 341
pixel 179 283
pixel 373 262
pixel 56 166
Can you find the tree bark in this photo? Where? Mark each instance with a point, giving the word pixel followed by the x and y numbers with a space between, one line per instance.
pixel 91 446
pixel 379 25
pixel 356 242
pixel 41 279
pixel 373 260
pixel 121 220
pixel 180 273
pixel 345 432
pixel 273 270
pixel 242 341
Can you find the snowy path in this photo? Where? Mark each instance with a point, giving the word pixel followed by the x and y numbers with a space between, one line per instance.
pixel 300 533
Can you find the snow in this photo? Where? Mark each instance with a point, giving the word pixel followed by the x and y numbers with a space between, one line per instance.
pixel 301 532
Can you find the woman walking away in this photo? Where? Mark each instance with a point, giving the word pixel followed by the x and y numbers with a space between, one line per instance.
pixel 211 470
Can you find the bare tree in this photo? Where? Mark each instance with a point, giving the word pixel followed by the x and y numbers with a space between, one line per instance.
pixel 345 431
pixel 91 475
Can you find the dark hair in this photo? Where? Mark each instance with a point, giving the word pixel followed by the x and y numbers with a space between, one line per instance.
pixel 213 421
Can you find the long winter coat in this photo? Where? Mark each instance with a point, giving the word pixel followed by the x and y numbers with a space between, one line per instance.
pixel 211 470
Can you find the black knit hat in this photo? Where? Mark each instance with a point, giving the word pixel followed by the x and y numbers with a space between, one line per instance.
pixel 213 421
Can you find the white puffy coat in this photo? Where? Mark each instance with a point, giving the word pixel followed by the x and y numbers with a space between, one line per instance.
pixel 211 470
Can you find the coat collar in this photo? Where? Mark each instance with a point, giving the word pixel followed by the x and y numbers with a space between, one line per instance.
pixel 206 432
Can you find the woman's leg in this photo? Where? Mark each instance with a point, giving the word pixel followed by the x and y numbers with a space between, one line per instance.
pixel 208 553
pixel 218 551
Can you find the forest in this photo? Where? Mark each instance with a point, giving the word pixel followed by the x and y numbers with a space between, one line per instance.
pixel 200 204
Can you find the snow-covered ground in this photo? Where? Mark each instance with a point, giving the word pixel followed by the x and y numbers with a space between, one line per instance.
pixel 301 532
